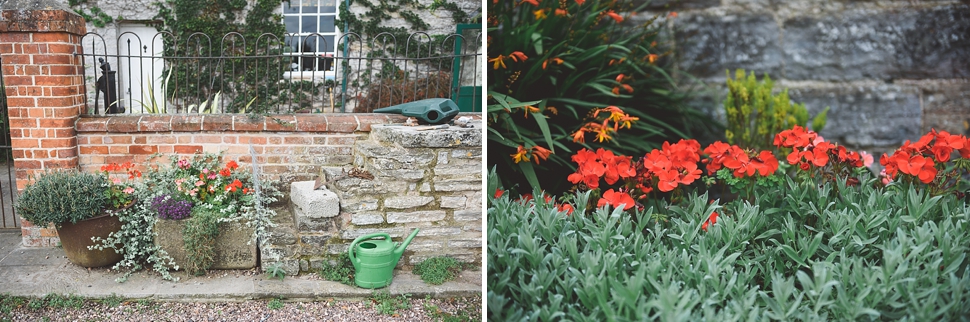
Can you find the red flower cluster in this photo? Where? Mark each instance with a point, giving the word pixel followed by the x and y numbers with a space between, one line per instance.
pixel 916 159
pixel 721 154
pixel 809 149
pixel 128 167
pixel 616 199
pixel 602 164
pixel 710 221
pixel 673 164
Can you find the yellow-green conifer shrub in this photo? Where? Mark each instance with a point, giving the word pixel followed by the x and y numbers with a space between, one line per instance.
pixel 754 115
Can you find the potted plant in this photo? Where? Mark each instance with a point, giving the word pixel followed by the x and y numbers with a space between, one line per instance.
pixel 75 202
pixel 201 206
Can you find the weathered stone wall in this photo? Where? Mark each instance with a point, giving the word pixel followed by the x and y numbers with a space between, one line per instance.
pixel 889 69
pixel 428 180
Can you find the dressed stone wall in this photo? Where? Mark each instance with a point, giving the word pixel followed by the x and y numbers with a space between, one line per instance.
pixel 408 179
pixel 889 69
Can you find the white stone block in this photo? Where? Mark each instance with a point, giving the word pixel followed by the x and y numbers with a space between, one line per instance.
pixel 311 203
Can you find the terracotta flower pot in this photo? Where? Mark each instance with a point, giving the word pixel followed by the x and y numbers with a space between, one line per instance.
pixel 75 238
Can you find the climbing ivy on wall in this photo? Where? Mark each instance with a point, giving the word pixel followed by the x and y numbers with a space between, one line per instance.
pixel 92 14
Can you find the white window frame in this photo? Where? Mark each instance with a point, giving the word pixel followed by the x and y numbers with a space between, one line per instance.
pixel 302 34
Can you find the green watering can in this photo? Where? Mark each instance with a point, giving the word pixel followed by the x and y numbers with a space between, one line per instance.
pixel 374 259
pixel 427 111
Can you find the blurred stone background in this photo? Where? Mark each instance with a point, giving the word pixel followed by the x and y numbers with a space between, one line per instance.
pixel 889 69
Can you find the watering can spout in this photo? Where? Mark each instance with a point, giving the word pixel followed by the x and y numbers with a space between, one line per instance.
pixel 400 249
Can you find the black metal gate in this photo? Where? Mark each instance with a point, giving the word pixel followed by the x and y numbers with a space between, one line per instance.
pixel 8 178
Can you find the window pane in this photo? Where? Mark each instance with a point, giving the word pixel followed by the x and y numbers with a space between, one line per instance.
pixel 291 7
pixel 307 44
pixel 292 24
pixel 326 23
pixel 309 24
pixel 325 47
pixel 328 6
pixel 309 6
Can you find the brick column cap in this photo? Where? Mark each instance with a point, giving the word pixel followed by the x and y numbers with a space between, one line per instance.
pixel 39 16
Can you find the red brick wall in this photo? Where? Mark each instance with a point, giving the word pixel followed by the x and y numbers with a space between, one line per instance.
pixel 290 147
pixel 45 95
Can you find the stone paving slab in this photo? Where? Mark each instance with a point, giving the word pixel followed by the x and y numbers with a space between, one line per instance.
pixel 39 271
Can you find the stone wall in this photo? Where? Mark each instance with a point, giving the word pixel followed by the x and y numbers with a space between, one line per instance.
pixel 889 69
pixel 407 179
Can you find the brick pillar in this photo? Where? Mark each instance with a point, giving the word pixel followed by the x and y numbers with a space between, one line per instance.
pixel 45 91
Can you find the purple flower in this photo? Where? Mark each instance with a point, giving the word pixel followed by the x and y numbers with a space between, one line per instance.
pixel 171 208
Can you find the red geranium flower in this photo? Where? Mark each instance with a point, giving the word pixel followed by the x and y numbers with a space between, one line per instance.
pixel 616 199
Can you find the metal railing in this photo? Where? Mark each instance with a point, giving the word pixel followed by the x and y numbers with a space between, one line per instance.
pixel 232 74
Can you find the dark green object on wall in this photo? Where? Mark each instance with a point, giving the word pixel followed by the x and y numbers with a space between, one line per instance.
pixel 427 111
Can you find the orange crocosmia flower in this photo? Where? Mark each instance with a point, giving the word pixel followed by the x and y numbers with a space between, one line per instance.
pixel 540 14
pixel 580 2
pixel 652 58
pixel 497 61
pixel 619 78
pixel 628 88
pixel 540 153
pixel 518 56
pixel 614 15
pixel 616 91
pixel 561 12
pixel 520 155
pixel 673 14
pixel 616 199
pixel 529 109
pixel 579 136
pixel 603 134
pixel 532 2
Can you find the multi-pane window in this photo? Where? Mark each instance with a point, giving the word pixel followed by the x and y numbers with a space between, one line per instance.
pixel 310 30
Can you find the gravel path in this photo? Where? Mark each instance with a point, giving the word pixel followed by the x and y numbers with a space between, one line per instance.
pixel 332 310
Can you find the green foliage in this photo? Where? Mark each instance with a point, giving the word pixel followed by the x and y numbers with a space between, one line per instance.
pixel 754 115
pixel 437 270
pixel 571 69
pixel 193 81
pixel 62 196
pixel 8 303
pixel 276 271
pixel 809 251
pixel 386 304
pixel 275 304
pixel 342 271
pixel 113 300
pixel 199 235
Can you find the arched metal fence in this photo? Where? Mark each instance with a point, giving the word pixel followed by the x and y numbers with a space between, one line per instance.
pixel 232 74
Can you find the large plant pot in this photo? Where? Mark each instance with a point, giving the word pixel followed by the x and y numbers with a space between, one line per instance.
pixel 231 249
pixel 75 239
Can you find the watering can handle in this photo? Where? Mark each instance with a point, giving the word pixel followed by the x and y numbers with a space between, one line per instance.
pixel 353 245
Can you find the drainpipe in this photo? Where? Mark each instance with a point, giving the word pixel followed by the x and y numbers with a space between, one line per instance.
pixel 343 86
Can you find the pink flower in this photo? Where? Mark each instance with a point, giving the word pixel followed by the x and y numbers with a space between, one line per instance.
pixel 184 163
pixel 205 170
pixel 212 176
pixel 115 180
pixel 212 189
pixel 193 192
pixel 866 158
pixel 885 178
pixel 199 183
pixel 129 190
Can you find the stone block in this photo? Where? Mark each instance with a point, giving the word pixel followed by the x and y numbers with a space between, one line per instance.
pixel 321 225
pixel 351 234
pixel 281 235
pixel 439 231
pixel 234 247
pixel 369 218
pixel 865 115
pixel 311 203
pixel 468 154
pixel 415 216
pixel 452 185
pixel 712 44
pixel 290 266
pixel 468 215
pixel 946 107
pixel 405 202
pixel 358 205
pixel 413 158
pixel 676 4
pixel 452 202
pixel 410 137
pixel 475 243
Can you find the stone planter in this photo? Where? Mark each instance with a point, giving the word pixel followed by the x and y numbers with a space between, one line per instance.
pixel 232 251
pixel 75 239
